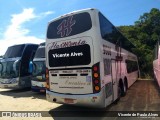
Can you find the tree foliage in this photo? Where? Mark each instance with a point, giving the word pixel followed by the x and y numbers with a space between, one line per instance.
pixel 144 35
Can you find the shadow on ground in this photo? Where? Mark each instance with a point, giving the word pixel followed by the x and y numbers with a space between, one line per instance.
pixel 142 96
pixel 74 112
pixel 26 92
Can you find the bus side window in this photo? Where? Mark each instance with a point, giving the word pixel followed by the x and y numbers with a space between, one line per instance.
pixel 107 66
pixel 108 31
pixel 131 66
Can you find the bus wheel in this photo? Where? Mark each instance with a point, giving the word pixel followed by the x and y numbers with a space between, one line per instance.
pixel 126 83
pixel 119 91
pixel 154 77
pixel 122 88
pixel 119 94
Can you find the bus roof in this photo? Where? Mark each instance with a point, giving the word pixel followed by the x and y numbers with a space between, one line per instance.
pixel 73 12
pixel 24 44
pixel 90 9
pixel 42 44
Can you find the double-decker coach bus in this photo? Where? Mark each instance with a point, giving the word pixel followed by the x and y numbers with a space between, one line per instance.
pixel 89 62
pixel 14 67
pixel 156 62
pixel 39 69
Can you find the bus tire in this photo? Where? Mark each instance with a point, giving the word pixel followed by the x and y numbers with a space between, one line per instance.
pixel 122 88
pixel 154 77
pixel 126 83
pixel 119 94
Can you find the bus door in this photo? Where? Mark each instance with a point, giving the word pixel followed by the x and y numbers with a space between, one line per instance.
pixel 114 73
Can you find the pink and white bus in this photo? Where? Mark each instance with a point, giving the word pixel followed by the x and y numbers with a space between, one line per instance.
pixel 89 62
pixel 156 62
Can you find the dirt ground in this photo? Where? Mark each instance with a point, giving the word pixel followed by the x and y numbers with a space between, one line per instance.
pixel 21 100
pixel 141 96
pixel 24 100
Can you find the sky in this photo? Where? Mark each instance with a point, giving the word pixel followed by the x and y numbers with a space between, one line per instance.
pixel 25 21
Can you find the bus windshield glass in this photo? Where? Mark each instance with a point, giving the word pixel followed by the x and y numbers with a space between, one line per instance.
pixel 39 68
pixel 14 51
pixel 40 53
pixel 8 70
pixel 70 25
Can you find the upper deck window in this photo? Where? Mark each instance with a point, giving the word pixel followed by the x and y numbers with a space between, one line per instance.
pixel 14 51
pixel 110 33
pixel 70 25
pixel 40 53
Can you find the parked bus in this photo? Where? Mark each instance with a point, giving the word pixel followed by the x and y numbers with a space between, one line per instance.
pixel 39 68
pixel 156 62
pixel 88 61
pixel 14 67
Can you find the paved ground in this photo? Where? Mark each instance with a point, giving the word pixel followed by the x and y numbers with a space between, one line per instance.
pixel 141 97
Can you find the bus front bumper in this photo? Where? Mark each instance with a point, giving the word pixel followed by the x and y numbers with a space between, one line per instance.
pixel 9 83
pixel 38 89
pixel 96 100
pixel 38 86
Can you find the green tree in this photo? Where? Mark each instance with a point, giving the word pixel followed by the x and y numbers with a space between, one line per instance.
pixel 144 35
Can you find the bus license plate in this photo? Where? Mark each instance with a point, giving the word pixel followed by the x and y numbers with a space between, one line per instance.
pixel 42 90
pixel 69 101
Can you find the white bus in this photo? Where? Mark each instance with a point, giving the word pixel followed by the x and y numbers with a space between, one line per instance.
pixel 88 61
pixel 156 62
pixel 38 81
pixel 14 67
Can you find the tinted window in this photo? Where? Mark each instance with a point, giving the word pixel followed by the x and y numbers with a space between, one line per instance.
pixel 8 71
pixel 39 68
pixel 131 66
pixel 69 26
pixel 40 53
pixel 70 56
pixel 14 51
pixel 108 31
pixel 111 34
pixel 107 66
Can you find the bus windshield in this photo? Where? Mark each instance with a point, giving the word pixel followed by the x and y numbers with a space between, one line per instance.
pixel 14 51
pixel 39 68
pixel 40 53
pixel 8 71
pixel 69 26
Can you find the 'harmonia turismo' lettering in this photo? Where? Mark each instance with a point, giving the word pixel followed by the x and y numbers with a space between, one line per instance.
pixel 55 45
